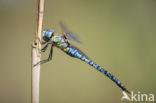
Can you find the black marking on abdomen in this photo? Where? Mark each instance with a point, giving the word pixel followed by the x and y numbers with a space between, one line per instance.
pixel 75 52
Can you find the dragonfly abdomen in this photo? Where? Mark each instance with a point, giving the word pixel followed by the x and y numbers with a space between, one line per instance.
pixel 109 75
pixel 75 52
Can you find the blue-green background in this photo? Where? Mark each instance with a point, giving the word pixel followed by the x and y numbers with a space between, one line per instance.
pixel 119 35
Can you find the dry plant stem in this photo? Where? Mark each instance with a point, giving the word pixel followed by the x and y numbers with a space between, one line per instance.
pixel 35 75
pixel 36 55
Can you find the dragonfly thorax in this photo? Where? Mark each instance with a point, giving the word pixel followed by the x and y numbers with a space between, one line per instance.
pixel 47 35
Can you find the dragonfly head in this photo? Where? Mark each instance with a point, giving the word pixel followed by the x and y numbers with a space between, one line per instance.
pixel 47 35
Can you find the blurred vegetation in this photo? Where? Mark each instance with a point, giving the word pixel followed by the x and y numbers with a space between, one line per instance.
pixel 119 35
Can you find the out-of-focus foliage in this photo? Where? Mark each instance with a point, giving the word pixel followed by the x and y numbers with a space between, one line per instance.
pixel 119 35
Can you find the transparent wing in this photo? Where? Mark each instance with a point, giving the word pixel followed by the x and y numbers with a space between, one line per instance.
pixel 69 34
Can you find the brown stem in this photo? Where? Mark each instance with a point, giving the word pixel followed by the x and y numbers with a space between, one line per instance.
pixel 36 55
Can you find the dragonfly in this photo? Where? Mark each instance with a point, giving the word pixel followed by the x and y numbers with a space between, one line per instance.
pixel 62 41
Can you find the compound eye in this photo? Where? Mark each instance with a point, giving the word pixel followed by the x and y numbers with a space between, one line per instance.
pixel 47 34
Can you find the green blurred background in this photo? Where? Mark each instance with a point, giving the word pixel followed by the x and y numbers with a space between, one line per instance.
pixel 118 35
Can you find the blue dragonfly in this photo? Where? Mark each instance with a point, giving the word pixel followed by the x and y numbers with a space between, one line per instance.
pixel 61 41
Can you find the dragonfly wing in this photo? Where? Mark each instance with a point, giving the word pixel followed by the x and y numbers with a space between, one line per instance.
pixel 69 34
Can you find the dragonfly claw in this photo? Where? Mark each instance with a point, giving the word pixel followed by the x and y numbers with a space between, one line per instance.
pixel 37 48
pixel 36 64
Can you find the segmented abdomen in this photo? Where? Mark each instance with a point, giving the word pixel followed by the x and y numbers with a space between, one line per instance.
pixel 75 52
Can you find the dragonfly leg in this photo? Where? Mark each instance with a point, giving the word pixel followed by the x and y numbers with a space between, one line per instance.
pixel 36 48
pixel 49 57
pixel 41 42
pixel 45 47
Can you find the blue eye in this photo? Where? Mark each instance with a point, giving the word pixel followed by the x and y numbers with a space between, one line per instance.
pixel 47 34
